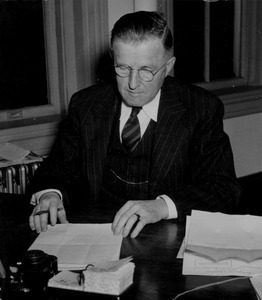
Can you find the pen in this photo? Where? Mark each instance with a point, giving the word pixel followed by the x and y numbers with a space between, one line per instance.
pixel 41 212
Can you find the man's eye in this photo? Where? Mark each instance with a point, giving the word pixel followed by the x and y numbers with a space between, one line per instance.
pixel 146 71
pixel 123 67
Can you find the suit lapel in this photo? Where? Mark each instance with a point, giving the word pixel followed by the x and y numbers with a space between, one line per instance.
pixel 168 134
pixel 98 132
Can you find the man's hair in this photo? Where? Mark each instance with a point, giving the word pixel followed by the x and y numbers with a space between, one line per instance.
pixel 140 26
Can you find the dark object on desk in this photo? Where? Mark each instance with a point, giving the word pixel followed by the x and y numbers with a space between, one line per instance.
pixel 35 270
pixel 30 278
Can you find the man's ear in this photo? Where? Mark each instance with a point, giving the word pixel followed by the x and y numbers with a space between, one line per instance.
pixel 170 64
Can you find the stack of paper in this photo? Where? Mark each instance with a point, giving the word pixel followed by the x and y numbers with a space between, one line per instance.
pixel 221 245
pixel 110 278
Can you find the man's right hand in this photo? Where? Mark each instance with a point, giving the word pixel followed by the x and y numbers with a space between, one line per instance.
pixel 50 205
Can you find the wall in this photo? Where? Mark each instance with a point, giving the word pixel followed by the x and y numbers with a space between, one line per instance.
pixel 117 8
pixel 245 132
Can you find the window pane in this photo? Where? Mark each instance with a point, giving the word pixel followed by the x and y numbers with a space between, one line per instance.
pixel 22 55
pixel 189 40
pixel 221 40
pixel 201 26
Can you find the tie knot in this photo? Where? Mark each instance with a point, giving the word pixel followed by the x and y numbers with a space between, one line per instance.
pixel 135 111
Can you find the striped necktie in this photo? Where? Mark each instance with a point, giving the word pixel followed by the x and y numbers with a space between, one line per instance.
pixel 131 132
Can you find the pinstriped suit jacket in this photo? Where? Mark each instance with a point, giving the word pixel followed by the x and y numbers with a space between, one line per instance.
pixel 191 162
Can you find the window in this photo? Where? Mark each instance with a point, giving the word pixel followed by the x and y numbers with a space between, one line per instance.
pixel 75 39
pixel 204 40
pixel 217 45
pixel 22 58
pixel 26 69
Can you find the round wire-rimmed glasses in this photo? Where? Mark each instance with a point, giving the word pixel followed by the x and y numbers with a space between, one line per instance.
pixel 144 73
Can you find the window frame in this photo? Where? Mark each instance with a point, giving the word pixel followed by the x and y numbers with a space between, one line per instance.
pixel 77 38
pixel 10 118
pixel 239 95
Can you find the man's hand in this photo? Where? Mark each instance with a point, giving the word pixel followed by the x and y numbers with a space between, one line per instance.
pixel 141 212
pixel 51 205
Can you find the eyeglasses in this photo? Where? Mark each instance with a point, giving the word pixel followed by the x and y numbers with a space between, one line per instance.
pixel 145 74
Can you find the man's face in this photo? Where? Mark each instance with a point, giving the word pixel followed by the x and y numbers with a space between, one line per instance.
pixel 149 54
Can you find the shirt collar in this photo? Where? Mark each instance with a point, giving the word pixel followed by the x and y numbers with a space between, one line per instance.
pixel 150 109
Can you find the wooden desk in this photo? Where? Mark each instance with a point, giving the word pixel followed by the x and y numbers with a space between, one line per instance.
pixel 158 273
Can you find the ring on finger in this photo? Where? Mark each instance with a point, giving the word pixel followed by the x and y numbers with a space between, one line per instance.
pixel 138 216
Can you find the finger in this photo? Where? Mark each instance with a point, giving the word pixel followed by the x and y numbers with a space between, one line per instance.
pixel 38 224
pixel 43 221
pixel 124 213
pixel 31 219
pixel 31 222
pixel 119 214
pixel 129 225
pixel 139 226
pixel 39 218
pixel 122 221
pixel 34 220
pixel 62 215
pixel 53 213
pixel 57 212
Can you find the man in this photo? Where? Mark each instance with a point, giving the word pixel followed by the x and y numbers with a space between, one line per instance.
pixel 170 157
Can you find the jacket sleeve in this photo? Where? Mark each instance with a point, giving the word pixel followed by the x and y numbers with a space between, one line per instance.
pixel 213 185
pixel 62 170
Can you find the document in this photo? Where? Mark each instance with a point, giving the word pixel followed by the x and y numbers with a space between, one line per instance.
pixel 217 244
pixel 77 245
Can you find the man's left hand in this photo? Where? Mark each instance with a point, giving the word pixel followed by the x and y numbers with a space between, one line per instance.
pixel 141 212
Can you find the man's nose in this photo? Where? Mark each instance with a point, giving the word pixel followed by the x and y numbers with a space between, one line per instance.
pixel 134 79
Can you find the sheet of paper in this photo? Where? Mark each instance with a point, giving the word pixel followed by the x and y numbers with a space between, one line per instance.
pixel 12 152
pixel 221 236
pixel 110 266
pixel 77 245
pixel 257 284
